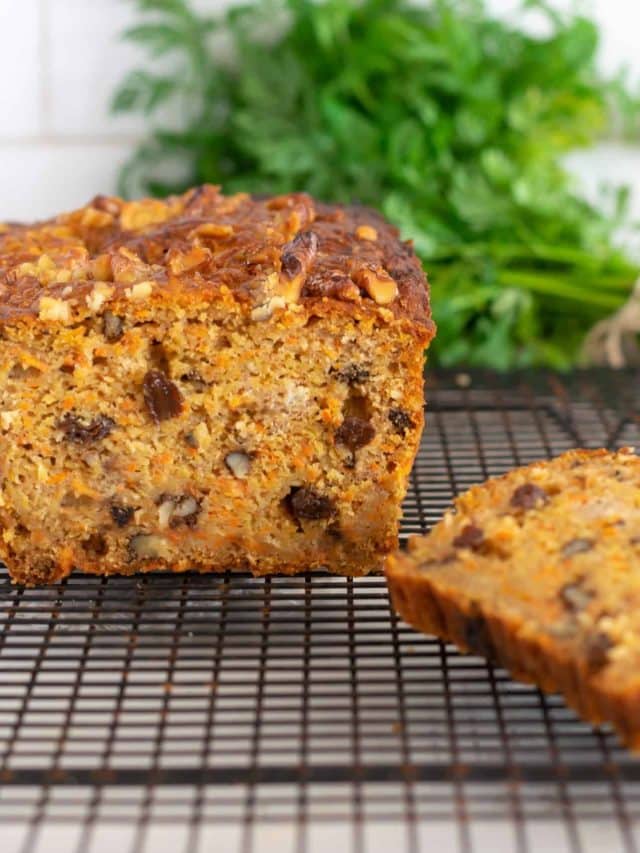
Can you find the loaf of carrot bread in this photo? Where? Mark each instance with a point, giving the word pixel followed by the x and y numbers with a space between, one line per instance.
pixel 207 382
pixel 539 570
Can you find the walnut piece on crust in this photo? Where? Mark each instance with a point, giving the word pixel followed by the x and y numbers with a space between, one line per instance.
pixel 257 252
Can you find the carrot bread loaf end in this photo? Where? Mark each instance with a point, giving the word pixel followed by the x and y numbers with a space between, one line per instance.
pixel 539 570
pixel 207 382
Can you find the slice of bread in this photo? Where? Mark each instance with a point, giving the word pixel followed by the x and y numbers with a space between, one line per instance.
pixel 539 570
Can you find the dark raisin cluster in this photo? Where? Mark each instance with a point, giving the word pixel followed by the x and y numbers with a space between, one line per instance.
pixel 401 421
pixel 79 431
pixel 305 502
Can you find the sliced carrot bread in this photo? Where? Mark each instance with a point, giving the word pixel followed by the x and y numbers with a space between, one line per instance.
pixel 539 570
pixel 207 382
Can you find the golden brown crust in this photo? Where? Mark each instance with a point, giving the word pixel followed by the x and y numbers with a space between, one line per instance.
pixel 539 570
pixel 264 254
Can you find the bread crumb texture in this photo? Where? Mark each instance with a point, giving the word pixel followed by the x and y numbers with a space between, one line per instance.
pixel 207 382
pixel 539 570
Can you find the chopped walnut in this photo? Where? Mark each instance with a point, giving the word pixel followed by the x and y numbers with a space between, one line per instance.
pixel 148 546
pixel 139 214
pixel 575 596
pixel 8 418
pixel 141 290
pixel 180 262
pixel 174 510
pixel 187 509
pixel 92 217
pixel 202 435
pixel 296 260
pixel 211 229
pixel 54 310
pixel 100 293
pixel 577 546
pixel 298 255
pixel 108 204
pixel 238 463
pixel 165 511
pixel 129 268
pixel 112 326
pixel 366 232
pixel 264 312
pixel 377 282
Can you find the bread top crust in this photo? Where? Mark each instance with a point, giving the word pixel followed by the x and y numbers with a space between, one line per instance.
pixel 265 254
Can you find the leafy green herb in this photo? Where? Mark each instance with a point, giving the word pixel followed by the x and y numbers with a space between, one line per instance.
pixel 454 123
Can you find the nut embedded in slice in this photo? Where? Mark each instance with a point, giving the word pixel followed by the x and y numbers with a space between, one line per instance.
pixel 148 546
pixel 238 463
pixel 112 326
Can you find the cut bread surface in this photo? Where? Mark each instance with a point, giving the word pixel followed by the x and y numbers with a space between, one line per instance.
pixel 170 416
pixel 539 570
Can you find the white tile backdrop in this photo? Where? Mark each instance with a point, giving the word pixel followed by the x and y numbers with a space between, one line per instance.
pixel 60 61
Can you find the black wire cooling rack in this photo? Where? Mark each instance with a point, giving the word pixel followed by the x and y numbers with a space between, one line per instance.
pixel 224 713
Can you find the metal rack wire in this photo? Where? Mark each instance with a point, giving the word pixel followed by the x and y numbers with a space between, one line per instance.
pixel 194 712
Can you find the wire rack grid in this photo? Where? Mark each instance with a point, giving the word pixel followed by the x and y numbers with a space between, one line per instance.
pixel 195 713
